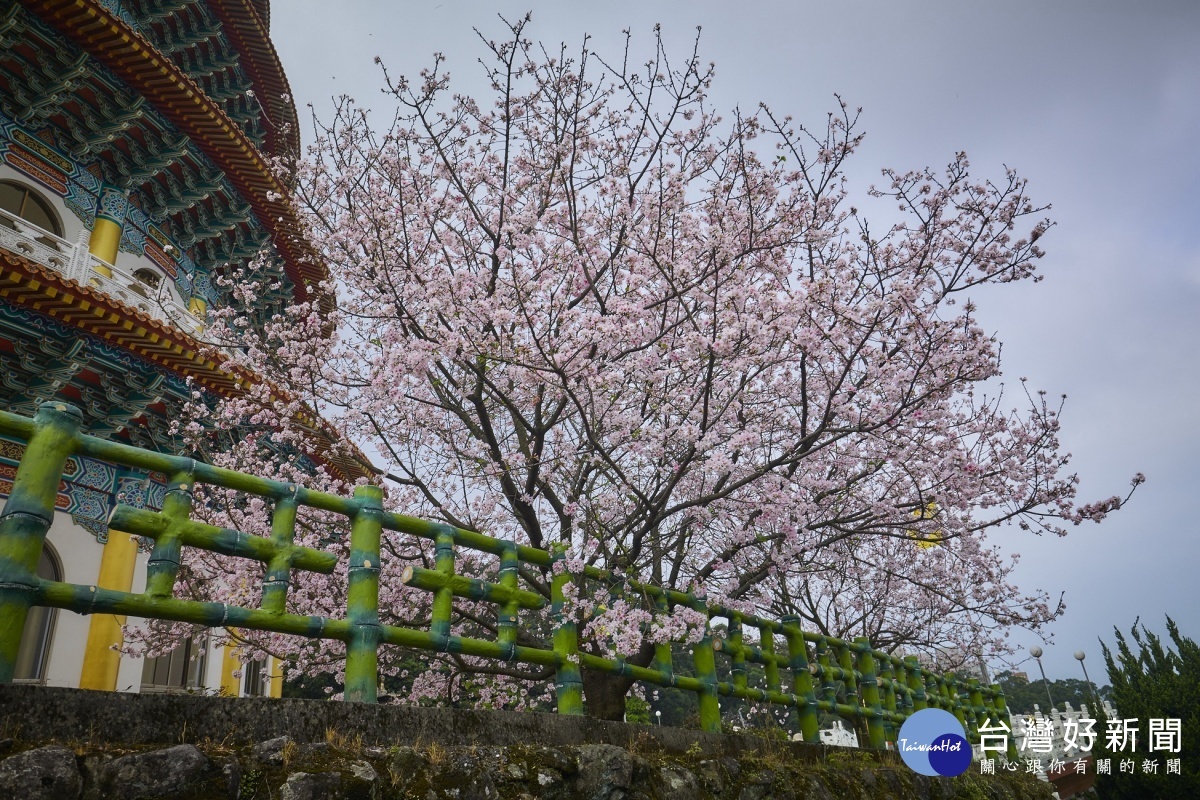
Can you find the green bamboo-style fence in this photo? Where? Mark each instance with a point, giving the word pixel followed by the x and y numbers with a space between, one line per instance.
pixel 849 679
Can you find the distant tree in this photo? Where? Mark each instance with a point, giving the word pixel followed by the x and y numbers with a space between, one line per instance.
pixel 1156 682
pixel 637 710
pixel 1021 694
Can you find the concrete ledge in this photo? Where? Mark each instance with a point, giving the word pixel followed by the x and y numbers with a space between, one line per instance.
pixel 39 713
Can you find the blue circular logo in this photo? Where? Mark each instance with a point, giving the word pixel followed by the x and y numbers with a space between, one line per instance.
pixel 933 742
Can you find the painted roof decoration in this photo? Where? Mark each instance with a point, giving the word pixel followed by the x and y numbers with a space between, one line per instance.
pixel 145 119
pixel 171 118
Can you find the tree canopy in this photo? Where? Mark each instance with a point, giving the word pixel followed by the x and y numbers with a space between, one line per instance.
pixel 589 310
pixel 1022 694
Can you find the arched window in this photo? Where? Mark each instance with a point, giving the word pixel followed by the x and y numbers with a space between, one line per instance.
pixel 148 277
pixel 22 201
pixel 34 652
pixel 147 281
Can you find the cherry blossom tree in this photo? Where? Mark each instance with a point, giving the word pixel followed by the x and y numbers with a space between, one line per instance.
pixel 588 310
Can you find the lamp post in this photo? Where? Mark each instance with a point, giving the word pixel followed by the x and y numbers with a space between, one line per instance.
pixel 1080 656
pixel 1036 652
pixel 658 714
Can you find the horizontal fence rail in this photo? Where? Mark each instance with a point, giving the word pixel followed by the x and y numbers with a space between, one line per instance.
pixel 847 679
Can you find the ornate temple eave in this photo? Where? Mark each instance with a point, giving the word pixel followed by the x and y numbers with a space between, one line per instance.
pixel 176 96
pixel 27 284
pixel 30 285
pixel 248 32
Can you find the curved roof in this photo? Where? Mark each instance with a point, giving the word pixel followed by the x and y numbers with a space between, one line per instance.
pixel 130 56
pixel 263 7
pixel 247 30
pixel 25 283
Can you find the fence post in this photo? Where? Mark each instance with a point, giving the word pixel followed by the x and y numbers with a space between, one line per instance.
pixel 506 634
pixel 26 518
pixel 888 674
pixel 163 567
pixel 1004 718
pixel 766 643
pixel 362 596
pixel 568 682
pixel 936 692
pixel 826 669
pixel 904 688
pixel 443 598
pixel 876 734
pixel 916 682
pixel 849 676
pixel 279 572
pixel 737 655
pixel 977 709
pixel 705 662
pixel 953 699
pixel 662 652
pixel 802 683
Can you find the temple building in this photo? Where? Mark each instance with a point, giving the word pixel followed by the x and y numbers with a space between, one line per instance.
pixel 137 139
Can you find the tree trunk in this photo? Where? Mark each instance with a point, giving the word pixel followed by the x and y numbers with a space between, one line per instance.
pixel 604 694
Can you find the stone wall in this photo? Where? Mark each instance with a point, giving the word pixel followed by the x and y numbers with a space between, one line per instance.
pixel 60 744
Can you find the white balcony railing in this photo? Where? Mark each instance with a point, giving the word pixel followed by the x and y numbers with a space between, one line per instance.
pixel 73 261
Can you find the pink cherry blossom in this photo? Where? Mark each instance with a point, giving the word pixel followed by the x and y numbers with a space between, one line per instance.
pixel 588 310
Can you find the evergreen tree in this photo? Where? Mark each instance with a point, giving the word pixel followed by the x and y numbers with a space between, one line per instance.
pixel 1156 682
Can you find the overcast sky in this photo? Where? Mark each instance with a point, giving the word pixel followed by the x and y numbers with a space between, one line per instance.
pixel 1097 104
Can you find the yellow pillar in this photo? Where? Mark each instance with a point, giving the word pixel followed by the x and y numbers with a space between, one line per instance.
pixel 276 673
pixel 101 659
pixel 106 232
pixel 198 306
pixel 106 237
pixel 230 685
